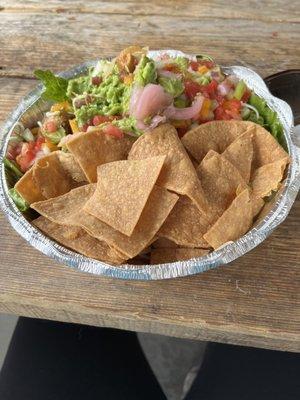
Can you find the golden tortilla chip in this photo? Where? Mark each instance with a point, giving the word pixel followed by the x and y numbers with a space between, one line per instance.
pixel 71 166
pixel 240 154
pixel 266 148
pixel 265 180
pixel 81 243
pixel 221 181
pixel 50 177
pixel 28 188
pixel 95 148
pixel 163 242
pixel 158 207
pixel 185 225
pixel 68 210
pixel 178 174
pixel 62 209
pixel 122 191
pixel 234 222
pixel 214 135
pixel 168 255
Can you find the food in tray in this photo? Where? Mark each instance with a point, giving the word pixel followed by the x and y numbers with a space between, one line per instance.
pixel 142 160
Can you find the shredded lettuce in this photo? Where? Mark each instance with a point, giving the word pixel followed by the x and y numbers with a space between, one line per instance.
pixel 18 200
pixel 267 118
pixel 172 86
pixel 12 170
pixel 55 86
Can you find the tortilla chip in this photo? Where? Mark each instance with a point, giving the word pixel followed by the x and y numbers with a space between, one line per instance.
pixel 95 148
pixel 178 173
pixel 71 166
pixel 185 225
pixel 61 209
pixel 234 222
pixel 265 180
pixel 214 135
pixel 68 210
pixel 158 207
pixel 82 243
pixel 266 148
pixel 50 177
pixel 168 255
pixel 163 242
pixel 221 182
pixel 122 191
pixel 28 189
pixel 269 205
pixel 240 154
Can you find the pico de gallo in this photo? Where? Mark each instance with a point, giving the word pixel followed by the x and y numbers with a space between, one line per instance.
pixel 132 94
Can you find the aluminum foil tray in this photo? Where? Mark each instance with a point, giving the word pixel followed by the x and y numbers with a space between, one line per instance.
pixel 30 110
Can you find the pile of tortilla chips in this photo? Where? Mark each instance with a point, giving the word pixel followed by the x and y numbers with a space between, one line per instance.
pixel 158 199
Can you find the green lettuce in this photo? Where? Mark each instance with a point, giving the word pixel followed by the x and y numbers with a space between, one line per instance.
pixel 267 117
pixel 18 200
pixel 55 86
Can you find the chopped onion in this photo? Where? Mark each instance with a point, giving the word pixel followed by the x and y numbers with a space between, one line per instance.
pixel 150 101
pixel 158 119
pixel 224 88
pixel 251 108
pixel 185 113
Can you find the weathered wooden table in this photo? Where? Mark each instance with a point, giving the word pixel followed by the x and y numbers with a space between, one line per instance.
pixel 255 300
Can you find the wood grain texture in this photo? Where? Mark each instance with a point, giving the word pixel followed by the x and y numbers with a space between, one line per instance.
pixel 255 300
pixel 34 39
pixel 274 11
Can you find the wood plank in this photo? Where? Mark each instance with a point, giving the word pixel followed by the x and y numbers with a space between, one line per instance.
pixel 11 92
pixel 259 10
pixel 32 40
pixel 254 301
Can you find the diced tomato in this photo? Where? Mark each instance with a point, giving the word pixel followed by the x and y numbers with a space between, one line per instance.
pixel 100 119
pixel 191 88
pixel 220 114
pixel 172 68
pixel 50 126
pixel 28 153
pixel 194 65
pixel 84 127
pixel 38 143
pixel 230 109
pixel 246 96
pixel 96 80
pixel 113 130
pixel 207 63
pixel 210 90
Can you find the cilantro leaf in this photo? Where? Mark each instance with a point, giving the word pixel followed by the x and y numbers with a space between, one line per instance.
pixel 55 86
